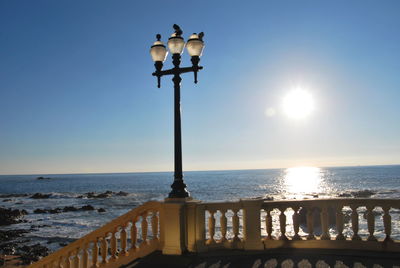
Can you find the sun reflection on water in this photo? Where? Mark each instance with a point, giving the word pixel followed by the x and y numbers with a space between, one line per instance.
pixel 302 180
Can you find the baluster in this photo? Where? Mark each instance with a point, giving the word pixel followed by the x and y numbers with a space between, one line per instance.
pixel 223 222
pixel 77 258
pixel 123 240
pixel 339 223
pixel 154 225
pixel 104 249
pixel 113 245
pixel 310 224
pixel 211 227
pixel 144 227
pixel 268 224
pixel 282 224
pixel 324 223
pixel 68 262
pixel 235 225
pixel 371 223
pixel 354 222
pixel 133 234
pixel 85 257
pixel 296 223
pixel 387 223
pixel 60 263
pixel 95 254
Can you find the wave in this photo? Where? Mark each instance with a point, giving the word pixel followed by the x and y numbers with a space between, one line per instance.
pixel 367 193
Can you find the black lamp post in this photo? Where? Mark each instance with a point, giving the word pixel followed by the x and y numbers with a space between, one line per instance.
pixel 158 52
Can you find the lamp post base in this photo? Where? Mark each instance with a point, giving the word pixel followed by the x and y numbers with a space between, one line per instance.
pixel 178 190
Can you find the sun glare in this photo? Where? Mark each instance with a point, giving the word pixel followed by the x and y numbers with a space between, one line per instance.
pixel 303 179
pixel 298 103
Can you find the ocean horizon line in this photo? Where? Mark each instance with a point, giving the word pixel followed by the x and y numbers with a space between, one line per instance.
pixel 205 170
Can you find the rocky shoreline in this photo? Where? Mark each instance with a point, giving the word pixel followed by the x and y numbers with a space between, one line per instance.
pixel 12 241
pixel 15 247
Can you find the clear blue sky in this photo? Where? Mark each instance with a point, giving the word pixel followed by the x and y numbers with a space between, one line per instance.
pixel 77 95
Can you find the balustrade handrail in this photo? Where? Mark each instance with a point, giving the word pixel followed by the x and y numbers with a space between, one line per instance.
pixel 355 201
pixel 395 203
pixel 101 232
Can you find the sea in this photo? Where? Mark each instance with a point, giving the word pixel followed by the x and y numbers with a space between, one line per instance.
pixel 58 229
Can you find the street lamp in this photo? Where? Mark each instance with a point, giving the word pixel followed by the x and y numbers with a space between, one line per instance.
pixel 158 52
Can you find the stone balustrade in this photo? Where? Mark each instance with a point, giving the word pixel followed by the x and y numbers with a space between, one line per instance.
pixel 130 236
pixel 178 225
pixel 293 224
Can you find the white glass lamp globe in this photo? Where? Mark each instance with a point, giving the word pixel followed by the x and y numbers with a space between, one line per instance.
pixel 176 44
pixel 195 45
pixel 158 51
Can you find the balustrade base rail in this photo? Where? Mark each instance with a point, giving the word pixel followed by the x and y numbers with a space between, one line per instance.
pixel 177 226
pixel 323 244
pixel 273 258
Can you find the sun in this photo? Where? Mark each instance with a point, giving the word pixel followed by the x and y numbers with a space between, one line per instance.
pixel 298 103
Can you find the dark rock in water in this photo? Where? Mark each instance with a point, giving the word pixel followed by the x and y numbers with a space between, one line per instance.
pixel 62 244
pixel 7 200
pixel 40 196
pixel 363 193
pixel 69 208
pixel 39 211
pixel 106 194
pixel 65 209
pixel 55 210
pixel 39 226
pixel 101 210
pixel 33 253
pixel 268 198
pixel 11 216
pixel 87 207
pixel 43 178
pixel 11 234
pixel 90 194
pixel 344 195
pixel 103 195
pixel 121 193
pixel 8 248
pixel 315 196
